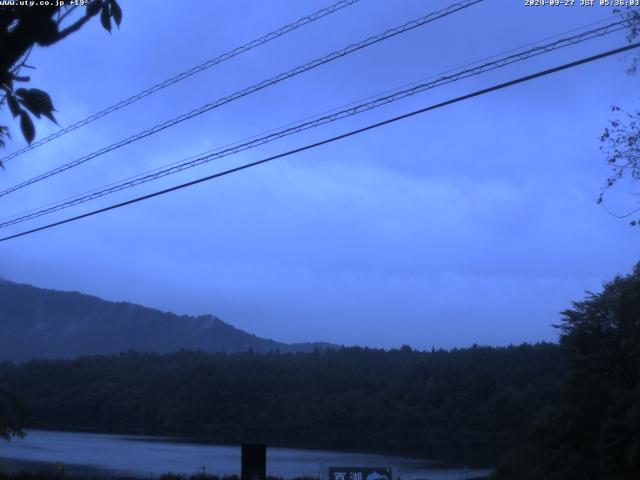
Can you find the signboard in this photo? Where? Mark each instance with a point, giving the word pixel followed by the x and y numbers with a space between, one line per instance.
pixel 360 473
pixel 254 462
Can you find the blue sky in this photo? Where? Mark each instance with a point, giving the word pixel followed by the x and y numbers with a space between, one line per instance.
pixel 476 223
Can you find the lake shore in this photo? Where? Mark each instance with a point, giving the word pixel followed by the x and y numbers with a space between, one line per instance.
pixel 118 456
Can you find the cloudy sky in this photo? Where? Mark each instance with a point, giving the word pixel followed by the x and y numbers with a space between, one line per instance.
pixel 475 223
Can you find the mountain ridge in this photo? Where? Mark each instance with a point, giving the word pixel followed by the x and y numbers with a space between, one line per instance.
pixel 45 323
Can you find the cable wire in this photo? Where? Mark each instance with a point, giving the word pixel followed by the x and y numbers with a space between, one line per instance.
pixel 254 88
pixel 186 74
pixel 335 109
pixel 351 133
pixel 254 142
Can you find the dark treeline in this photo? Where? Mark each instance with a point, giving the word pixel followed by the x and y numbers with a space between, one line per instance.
pixel 464 405
pixel 594 431
pixel 44 475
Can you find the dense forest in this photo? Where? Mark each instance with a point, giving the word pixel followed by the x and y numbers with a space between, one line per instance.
pixel 465 405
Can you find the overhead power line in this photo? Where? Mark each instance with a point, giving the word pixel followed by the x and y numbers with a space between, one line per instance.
pixel 351 133
pixel 254 88
pixel 324 119
pixel 187 73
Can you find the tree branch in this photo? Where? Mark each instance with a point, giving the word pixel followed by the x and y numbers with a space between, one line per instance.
pixel 74 27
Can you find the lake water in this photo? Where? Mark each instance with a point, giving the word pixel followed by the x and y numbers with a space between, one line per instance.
pixel 150 457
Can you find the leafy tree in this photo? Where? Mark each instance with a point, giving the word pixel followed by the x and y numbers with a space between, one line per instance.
pixel 621 139
pixel 21 29
pixel 594 434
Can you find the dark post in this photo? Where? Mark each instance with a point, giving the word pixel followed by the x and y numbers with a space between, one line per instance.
pixel 254 462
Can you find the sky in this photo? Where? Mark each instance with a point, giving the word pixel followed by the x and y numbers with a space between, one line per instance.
pixel 474 223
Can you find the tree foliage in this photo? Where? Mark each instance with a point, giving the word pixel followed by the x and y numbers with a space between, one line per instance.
pixel 21 29
pixel 621 139
pixel 595 432
pixel 466 405
pixel 13 416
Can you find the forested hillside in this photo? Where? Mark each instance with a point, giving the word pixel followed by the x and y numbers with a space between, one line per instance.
pixel 40 323
pixel 467 404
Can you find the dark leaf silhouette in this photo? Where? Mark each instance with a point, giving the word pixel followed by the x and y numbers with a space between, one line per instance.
pixel 37 102
pixel 26 125
pixel 116 12
pixel 4 133
pixel 14 108
pixel 105 18
pixel 47 33
pixel 93 8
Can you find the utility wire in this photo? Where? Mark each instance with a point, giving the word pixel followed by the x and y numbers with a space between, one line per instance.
pixel 254 88
pixel 195 161
pixel 255 140
pixel 351 133
pixel 335 109
pixel 188 73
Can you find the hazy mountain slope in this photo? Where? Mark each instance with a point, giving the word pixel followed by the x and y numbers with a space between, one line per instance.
pixel 40 323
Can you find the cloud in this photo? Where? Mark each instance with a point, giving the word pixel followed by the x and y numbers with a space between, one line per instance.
pixel 474 223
